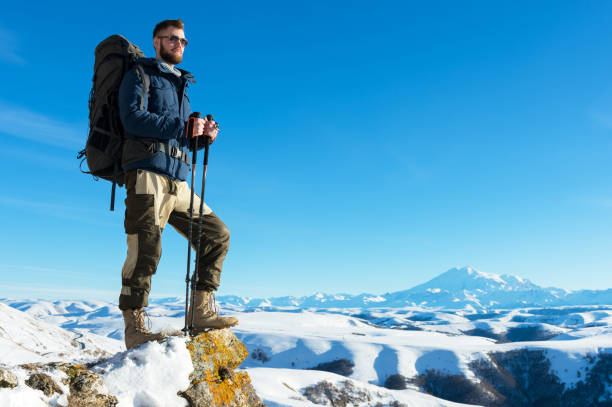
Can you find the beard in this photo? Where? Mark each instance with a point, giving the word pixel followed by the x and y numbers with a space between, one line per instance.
pixel 169 57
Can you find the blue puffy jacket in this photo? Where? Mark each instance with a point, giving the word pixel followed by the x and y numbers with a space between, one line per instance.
pixel 155 136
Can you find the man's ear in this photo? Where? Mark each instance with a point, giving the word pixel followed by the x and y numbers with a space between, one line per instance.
pixel 156 44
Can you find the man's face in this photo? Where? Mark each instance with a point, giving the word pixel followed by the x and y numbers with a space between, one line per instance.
pixel 170 44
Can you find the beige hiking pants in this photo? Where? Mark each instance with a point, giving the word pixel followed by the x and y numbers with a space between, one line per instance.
pixel 153 201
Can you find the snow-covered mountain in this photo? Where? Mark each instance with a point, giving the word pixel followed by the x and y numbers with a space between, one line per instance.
pixel 470 288
pixel 458 288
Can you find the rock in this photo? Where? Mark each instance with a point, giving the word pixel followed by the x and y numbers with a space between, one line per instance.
pixel 44 383
pixel 346 394
pixel 214 382
pixel 87 389
pixel 7 379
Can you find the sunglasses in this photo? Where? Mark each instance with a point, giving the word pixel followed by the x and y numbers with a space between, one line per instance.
pixel 174 39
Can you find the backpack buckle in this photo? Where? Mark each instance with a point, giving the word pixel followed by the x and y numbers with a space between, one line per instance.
pixel 154 147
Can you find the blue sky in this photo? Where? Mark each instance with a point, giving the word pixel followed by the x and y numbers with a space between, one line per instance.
pixel 364 148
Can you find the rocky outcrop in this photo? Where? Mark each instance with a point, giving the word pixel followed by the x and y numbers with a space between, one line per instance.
pixel 44 383
pixel 87 389
pixel 343 395
pixel 215 382
pixel 7 379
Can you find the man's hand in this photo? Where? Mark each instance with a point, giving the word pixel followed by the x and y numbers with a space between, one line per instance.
pixel 204 127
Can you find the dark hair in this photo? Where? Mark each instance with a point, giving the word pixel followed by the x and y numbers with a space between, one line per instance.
pixel 168 23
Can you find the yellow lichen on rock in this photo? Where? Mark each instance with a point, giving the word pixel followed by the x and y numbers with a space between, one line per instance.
pixel 215 355
pixel 228 391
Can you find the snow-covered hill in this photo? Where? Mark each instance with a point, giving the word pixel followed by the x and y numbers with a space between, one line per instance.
pixel 25 338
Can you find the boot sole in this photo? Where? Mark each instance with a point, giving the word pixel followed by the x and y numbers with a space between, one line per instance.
pixel 199 331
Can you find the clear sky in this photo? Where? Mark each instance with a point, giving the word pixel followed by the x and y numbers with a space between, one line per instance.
pixel 365 147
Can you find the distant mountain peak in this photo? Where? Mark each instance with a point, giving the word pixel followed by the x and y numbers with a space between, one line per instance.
pixel 473 273
pixel 471 278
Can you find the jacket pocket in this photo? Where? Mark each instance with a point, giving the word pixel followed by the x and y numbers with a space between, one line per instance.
pixel 163 97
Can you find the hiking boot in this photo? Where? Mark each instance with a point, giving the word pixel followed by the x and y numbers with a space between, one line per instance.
pixel 136 333
pixel 207 313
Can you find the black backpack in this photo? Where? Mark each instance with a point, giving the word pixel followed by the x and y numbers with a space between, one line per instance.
pixel 114 57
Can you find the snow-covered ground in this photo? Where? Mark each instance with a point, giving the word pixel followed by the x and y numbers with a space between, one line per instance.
pixel 285 343
pixel 287 339
pixel 280 388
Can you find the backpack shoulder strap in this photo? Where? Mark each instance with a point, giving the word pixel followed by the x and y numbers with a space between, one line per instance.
pixel 146 81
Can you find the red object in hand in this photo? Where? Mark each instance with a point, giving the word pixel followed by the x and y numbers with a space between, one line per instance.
pixel 191 124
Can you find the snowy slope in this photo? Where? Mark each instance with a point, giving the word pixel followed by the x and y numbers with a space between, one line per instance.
pixel 25 338
pixel 280 388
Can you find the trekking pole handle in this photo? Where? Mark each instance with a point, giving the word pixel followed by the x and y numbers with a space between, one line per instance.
pixel 209 117
pixel 191 124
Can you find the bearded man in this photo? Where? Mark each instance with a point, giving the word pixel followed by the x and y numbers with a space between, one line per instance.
pixel 156 163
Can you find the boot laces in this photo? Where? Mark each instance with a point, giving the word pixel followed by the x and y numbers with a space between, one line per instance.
pixel 212 303
pixel 141 315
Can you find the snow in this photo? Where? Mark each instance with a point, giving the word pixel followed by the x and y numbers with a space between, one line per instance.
pixel 280 388
pixel 26 396
pixel 149 375
pixel 323 337
pixel 25 338
pixel 22 395
pixel 296 335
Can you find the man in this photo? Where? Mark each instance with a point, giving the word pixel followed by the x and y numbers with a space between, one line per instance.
pixel 156 164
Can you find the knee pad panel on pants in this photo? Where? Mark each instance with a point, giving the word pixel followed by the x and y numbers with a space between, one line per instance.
pixel 140 221
pixel 149 252
pixel 139 213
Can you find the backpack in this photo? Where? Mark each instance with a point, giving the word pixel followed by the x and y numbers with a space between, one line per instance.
pixel 114 57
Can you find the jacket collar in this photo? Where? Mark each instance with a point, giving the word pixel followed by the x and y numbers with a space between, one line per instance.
pixel 154 62
pixel 164 67
pixel 187 75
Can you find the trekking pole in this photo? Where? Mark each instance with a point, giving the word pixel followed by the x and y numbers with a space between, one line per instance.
pixel 194 279
pixel 190 136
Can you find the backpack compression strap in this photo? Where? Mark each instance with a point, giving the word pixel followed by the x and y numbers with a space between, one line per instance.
pixel 146 82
